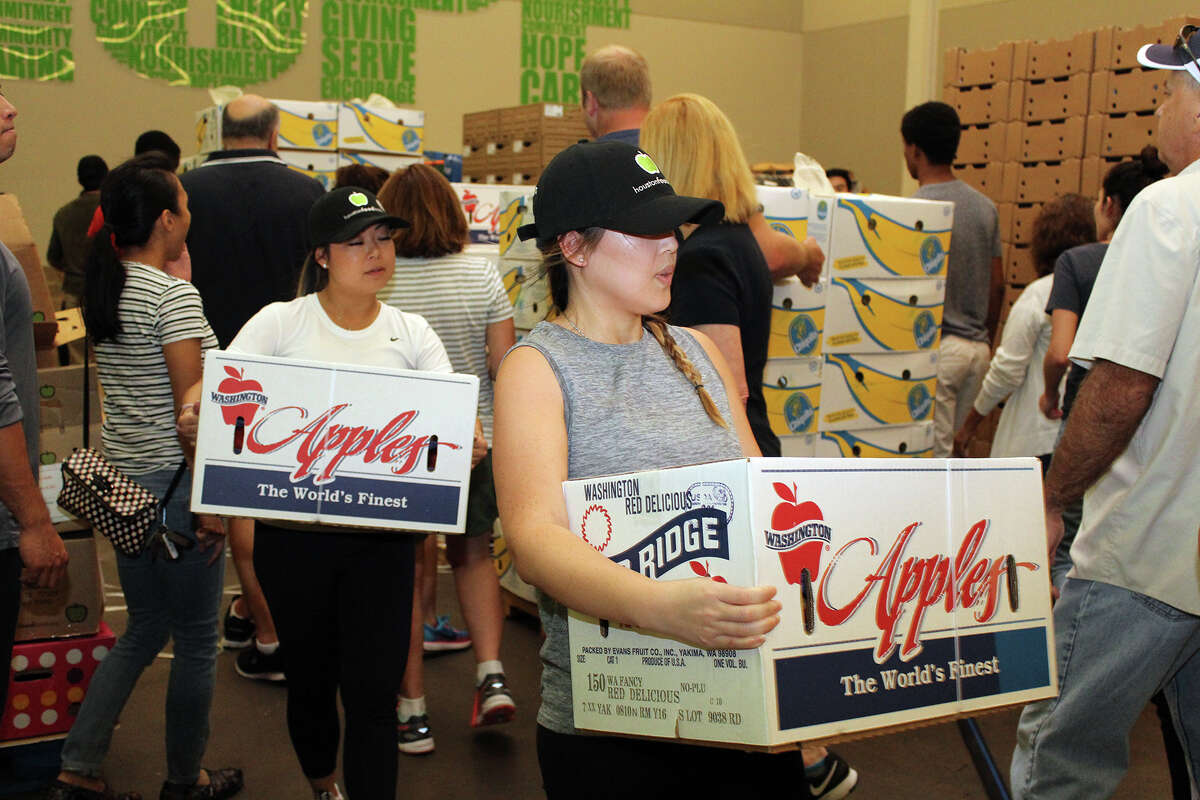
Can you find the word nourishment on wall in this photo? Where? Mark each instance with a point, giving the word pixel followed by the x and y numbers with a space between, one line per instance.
pixel 367 46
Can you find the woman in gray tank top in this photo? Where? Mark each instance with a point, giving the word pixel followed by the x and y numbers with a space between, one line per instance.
pixel 608 388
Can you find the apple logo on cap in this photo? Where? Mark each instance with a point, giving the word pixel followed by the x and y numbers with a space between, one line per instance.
pixel 646 162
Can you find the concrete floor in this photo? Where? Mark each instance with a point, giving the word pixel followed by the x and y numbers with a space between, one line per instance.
pixel 248 731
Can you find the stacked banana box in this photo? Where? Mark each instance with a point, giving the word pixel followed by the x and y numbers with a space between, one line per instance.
pixel 852 361
pixel 513 145
pixel 317 137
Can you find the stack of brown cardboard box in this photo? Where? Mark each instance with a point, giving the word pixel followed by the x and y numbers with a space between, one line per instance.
pixel 512 145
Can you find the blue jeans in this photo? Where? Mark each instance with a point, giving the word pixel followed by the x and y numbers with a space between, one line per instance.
pixel 1116 649
pixel 177 600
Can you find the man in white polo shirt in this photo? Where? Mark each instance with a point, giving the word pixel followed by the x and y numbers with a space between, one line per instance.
pixel 1128 622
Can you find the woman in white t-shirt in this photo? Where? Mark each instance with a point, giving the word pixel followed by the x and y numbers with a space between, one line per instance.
pixel 342 599
pixel 149 332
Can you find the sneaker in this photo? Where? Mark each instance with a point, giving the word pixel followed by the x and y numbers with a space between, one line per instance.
pixel 414 735
pixel 237 633
pixel 493 702
pixel 222 783
pixel 443 636
pixel 325 794
pixel 837 781
pixel 256 665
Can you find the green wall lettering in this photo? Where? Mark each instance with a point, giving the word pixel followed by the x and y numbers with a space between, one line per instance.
pixel 35 40
pixel 553 40
pixel 255 39
pixel 369 46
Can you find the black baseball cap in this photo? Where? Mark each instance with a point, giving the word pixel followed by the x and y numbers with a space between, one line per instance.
pixel 610 185
pixel 344 212
pixel 1174 56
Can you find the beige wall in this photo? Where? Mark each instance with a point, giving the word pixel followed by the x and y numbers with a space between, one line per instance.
pixel 745 56
pixel 853 99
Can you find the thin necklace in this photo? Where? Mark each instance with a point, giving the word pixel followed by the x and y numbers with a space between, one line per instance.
pixel 574 327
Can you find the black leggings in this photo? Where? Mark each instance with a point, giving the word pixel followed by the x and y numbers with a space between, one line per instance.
pixel 10 607
pixel 342 603
pixel 576 767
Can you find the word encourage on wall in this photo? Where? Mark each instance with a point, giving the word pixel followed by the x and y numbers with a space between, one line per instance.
pixel 35 40
pixel 370 45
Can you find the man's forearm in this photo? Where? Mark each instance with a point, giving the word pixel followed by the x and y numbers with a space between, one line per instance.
pixel 1107 411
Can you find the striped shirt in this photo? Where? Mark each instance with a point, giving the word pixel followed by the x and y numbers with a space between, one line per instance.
pixel 459 295
pixel 139 408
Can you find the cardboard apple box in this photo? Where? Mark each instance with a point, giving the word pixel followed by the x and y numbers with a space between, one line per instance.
pixel 334 444
pixel 913 591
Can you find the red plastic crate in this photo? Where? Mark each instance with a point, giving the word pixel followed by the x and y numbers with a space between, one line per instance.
pixel 48 681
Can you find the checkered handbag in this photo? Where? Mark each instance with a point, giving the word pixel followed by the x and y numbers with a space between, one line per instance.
pixel 117 506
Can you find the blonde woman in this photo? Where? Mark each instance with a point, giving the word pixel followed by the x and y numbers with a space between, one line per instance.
pixel 608 388
pixel 723 289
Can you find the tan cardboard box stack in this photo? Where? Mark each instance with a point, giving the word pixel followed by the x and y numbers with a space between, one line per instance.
pixel 512 145
pixel 1123 98
pixel 317 137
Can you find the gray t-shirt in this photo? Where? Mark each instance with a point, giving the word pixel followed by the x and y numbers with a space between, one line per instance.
pixel 627 408
pixel 18 371
pixel 974 242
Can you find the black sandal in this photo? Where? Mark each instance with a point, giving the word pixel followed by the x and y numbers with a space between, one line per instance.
pixel 222 783
pixel 61 790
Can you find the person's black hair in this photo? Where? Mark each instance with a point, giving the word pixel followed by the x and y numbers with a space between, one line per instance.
pixel 934 128
pixel 1125 180
pixel 90 171
pixel 132 198
pixel 844 174
pixel 151 141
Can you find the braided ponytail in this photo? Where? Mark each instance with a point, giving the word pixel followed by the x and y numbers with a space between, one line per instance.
pixel 658 329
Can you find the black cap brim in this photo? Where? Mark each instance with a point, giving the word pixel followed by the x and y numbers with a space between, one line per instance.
pixel 1165 56
pixel 666 213
pixel 658 216
pixel 356 225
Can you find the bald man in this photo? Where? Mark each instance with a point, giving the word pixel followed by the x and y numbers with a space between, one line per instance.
pixel 249 219
pixel 615 84
pixel 248 239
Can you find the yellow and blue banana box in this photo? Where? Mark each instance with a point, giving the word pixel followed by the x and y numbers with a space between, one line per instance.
pixel 797 319
pixel 516 210
pixel 881 315
pixel 798 445
pixel 792 391
pixel 307 125
pixel 380 130
pixel 877 236
pixel 896 441
pixel 786 209
pixel 874 389
pixel 319 164
pixel 514 274
pixel 533 301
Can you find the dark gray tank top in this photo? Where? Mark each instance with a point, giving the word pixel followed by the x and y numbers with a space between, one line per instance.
pixel 627 408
